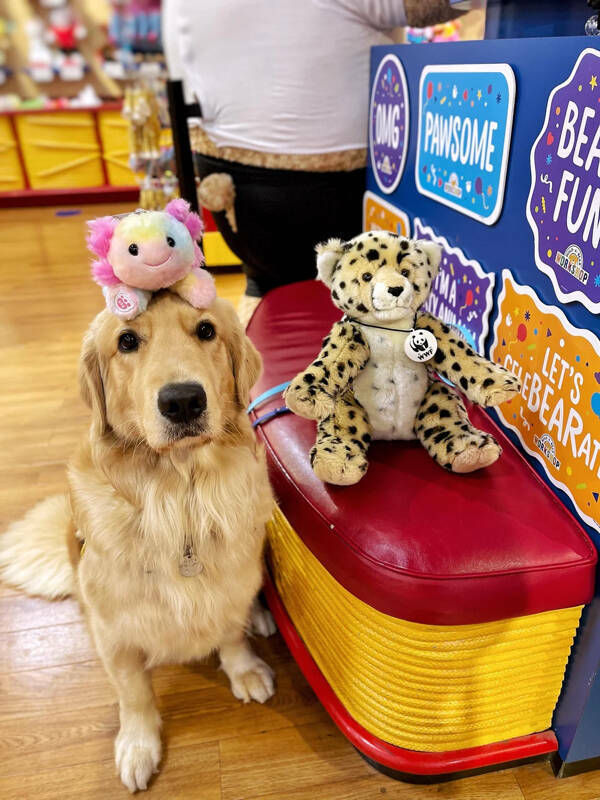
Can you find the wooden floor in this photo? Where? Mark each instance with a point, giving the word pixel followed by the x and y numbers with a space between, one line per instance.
pixel 58 715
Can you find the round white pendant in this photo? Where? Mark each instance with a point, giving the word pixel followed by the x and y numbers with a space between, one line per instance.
pixel 420 345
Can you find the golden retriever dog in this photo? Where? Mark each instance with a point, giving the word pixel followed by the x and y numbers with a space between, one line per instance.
pixel 169 495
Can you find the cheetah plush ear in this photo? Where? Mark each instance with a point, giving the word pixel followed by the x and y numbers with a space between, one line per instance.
pixel 433 251
pixel 328 255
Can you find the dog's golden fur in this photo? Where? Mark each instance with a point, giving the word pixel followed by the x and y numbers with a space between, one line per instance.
pixel 139 496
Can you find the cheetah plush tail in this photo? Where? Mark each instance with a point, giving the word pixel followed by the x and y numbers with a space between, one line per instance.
pixel 34 554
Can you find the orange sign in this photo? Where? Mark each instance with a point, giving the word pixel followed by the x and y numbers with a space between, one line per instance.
pixel 557 414
pixel 379 215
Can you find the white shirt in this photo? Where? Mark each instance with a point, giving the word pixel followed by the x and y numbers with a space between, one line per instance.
pixel 279 76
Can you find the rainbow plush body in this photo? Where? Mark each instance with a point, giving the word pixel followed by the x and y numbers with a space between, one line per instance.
pixel 145 251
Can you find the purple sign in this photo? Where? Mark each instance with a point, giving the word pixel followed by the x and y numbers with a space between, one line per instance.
pixel 564 202
pixel 388 127
pixel 462 293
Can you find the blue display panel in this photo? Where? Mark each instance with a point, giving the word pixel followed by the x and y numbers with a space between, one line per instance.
pixel 499 212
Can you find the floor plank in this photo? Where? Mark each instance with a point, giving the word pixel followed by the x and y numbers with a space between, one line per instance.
pixel 186 773
pixel 49 646
pixel 21 613
pixel 537 782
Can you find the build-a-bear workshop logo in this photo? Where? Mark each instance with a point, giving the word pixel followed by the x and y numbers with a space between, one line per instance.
pixel 465 125
pixel 388 127
pixel 564 201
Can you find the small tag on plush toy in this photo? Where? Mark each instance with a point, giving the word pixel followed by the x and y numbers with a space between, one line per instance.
pixel 420 345
pixel 124 302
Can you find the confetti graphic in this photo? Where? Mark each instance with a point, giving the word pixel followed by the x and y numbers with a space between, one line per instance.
pixel 388 127
pixel 557 414
pixel 464 141
pixel 379 215
pixel 564 199
pixel 461 294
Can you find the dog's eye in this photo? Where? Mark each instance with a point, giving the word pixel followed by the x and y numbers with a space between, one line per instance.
pixel 205 331
pixel 170 241
pixel 133 249
pixel 128 342
pixel 405 272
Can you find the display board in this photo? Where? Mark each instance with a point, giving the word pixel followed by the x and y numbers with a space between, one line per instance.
pixel 499 161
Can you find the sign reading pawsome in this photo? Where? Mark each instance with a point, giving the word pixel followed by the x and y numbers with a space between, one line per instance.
pixel 388 127
pixel 462 293
pixel 465 123
pixel 379 215
pixel 564 201
pixel 557 414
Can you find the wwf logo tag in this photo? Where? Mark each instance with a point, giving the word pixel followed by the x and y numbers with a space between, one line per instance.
pixel 420 345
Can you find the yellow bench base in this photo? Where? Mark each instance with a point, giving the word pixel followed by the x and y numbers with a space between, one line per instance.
pixel 423 687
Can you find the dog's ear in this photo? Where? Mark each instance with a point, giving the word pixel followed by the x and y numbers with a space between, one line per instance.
pixel 91 385
pixel 247 367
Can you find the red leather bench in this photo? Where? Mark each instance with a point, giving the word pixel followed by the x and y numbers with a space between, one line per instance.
pixel 432 613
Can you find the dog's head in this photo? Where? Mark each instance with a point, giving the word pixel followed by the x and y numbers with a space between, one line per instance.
pixel 175 376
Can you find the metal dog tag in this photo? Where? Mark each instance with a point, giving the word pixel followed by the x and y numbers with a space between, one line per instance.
pixel 420 345
pixel 190 565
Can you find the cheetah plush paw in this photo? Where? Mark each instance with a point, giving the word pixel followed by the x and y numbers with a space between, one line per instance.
pixel 499 390
pixel 477 456
pixel 315 404
pixel 505 393
pixel 335 469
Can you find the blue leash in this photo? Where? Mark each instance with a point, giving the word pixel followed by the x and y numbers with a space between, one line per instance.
pixel 275 412
pixel 267 394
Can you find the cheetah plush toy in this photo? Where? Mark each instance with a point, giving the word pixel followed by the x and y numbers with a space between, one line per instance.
pixel 368 382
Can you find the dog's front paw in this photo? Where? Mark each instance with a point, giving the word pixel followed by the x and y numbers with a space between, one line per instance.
pixel 256 683
pixel 137 757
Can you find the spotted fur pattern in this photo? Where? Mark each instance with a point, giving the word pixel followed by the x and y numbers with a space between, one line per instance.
pixel 314 393
pixel 445 431
pixel 379 278
pixel 481 380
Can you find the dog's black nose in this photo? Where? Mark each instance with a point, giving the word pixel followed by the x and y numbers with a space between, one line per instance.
pixel 182 402
pixel 396 291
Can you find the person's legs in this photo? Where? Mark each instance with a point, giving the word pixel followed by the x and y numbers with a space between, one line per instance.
pixel 282 214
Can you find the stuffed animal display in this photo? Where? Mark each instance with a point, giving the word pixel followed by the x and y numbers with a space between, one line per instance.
pixel 374 377
pixel 149 250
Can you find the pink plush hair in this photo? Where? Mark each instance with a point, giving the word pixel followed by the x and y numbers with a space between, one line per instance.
pixel 180 209
pixel 100 233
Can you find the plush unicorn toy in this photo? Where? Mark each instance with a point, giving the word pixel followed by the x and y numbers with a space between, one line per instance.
pixel 149 250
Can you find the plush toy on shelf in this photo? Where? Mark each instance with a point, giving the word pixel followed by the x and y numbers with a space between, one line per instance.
pixel 146 251
pixel 65 32
pixel 374 377
pixel 40 59
pixel 140 109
